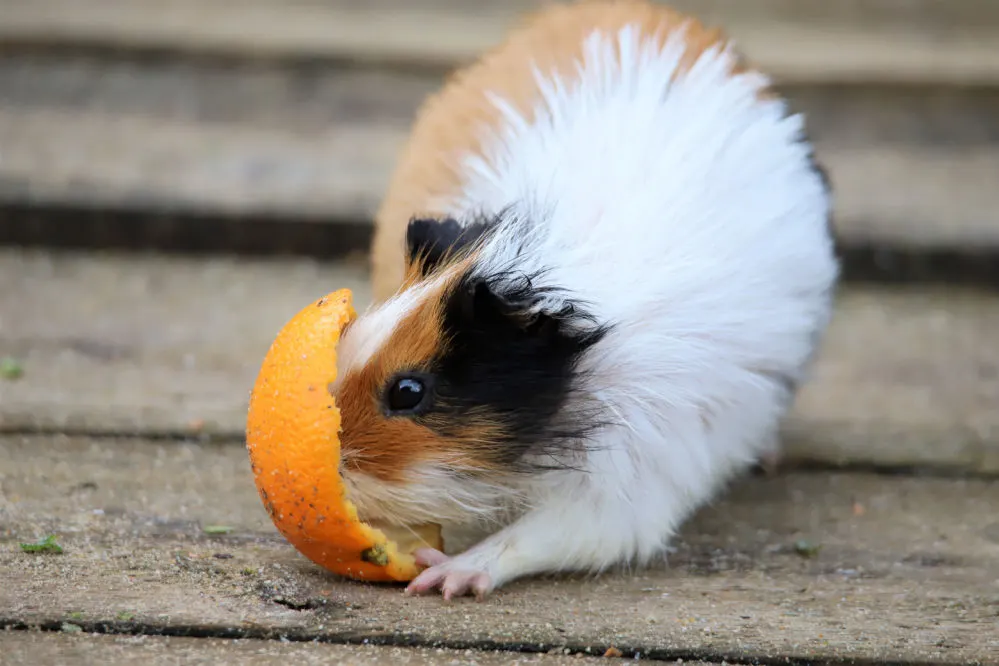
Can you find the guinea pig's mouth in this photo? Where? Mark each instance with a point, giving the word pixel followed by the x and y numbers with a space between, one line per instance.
pixel 410 537
pixel 376 508
pixel 380 502
pixel 430 495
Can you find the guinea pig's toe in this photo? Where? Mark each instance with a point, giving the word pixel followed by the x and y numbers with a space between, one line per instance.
pixel 482 585
pixel 452 580
pixel 459 583
pixel 427 580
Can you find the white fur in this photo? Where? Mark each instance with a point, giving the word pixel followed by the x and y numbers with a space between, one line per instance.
pixel 688 216
pixel 429 495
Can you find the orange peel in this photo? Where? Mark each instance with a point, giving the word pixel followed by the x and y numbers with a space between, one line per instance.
pixel 292 436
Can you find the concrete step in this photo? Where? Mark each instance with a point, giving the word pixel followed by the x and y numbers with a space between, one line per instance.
pixel 98 160
pixel 905 569
pixel 913 168
pixel 30 648
pixel 902 195
pixel 908 377
pixel 952 41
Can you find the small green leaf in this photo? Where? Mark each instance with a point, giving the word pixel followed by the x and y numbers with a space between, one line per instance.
pixel 216 529
pixel 75 615
pixel 124 616
pixel 805 548
pixel 46 545
pixel 10 368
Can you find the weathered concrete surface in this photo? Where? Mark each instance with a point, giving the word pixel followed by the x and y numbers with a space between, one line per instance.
pixel 147 343
pixel 908 569
pixel 905 377
pixel 910 168
pixel 272 95
pixel 97 159
pixel 254 93
pixel 157 345
pixel 926 41
pixel 33 648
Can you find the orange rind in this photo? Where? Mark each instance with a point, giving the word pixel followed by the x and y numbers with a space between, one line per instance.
pixel 292 436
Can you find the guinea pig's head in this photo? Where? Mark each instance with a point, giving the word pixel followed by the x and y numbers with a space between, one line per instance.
pixel 456 387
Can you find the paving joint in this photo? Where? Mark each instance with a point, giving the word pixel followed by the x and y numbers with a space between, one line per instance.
pixel 193 55
pixel 204 233
pixel 214 56
pixel 415 641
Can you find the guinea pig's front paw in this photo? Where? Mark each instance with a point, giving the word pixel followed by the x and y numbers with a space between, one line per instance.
pixel 453 576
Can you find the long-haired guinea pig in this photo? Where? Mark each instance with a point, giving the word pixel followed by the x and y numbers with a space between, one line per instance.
pixel 601 271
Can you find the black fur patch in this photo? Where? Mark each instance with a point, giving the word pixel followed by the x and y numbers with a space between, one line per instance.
pixel 513 365
pixel 429 242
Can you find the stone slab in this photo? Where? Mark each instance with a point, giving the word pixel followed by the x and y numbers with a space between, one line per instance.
pixel 906 569
pixel 32 648
pixel 905 377
pixel 154 345
pixel 926 187
pixel 80 158
pixel 929 40
pixel 313 97
pixel 147 343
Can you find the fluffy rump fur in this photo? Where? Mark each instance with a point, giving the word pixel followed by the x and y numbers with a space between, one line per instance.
pixel 621 243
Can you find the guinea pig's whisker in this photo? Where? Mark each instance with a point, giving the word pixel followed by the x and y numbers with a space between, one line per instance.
pixel 611 407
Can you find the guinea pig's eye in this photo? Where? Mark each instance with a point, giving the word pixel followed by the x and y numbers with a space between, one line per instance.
pixel 408 394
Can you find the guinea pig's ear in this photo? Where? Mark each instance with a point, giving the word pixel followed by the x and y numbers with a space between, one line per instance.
pixel 430 242
pixel 485 307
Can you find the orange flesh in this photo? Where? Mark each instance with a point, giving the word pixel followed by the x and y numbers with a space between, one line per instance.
pixel 292 435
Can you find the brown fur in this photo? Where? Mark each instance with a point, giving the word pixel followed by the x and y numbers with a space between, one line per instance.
pixel 386 447
pixel 372 443
pixel 447 124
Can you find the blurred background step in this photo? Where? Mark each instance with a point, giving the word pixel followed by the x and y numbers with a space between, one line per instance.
pixel 801 40
pixel 894 193
pixel 170 346
pixel 306 145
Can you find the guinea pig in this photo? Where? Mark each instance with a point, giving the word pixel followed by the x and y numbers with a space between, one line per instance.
pixel 602 269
